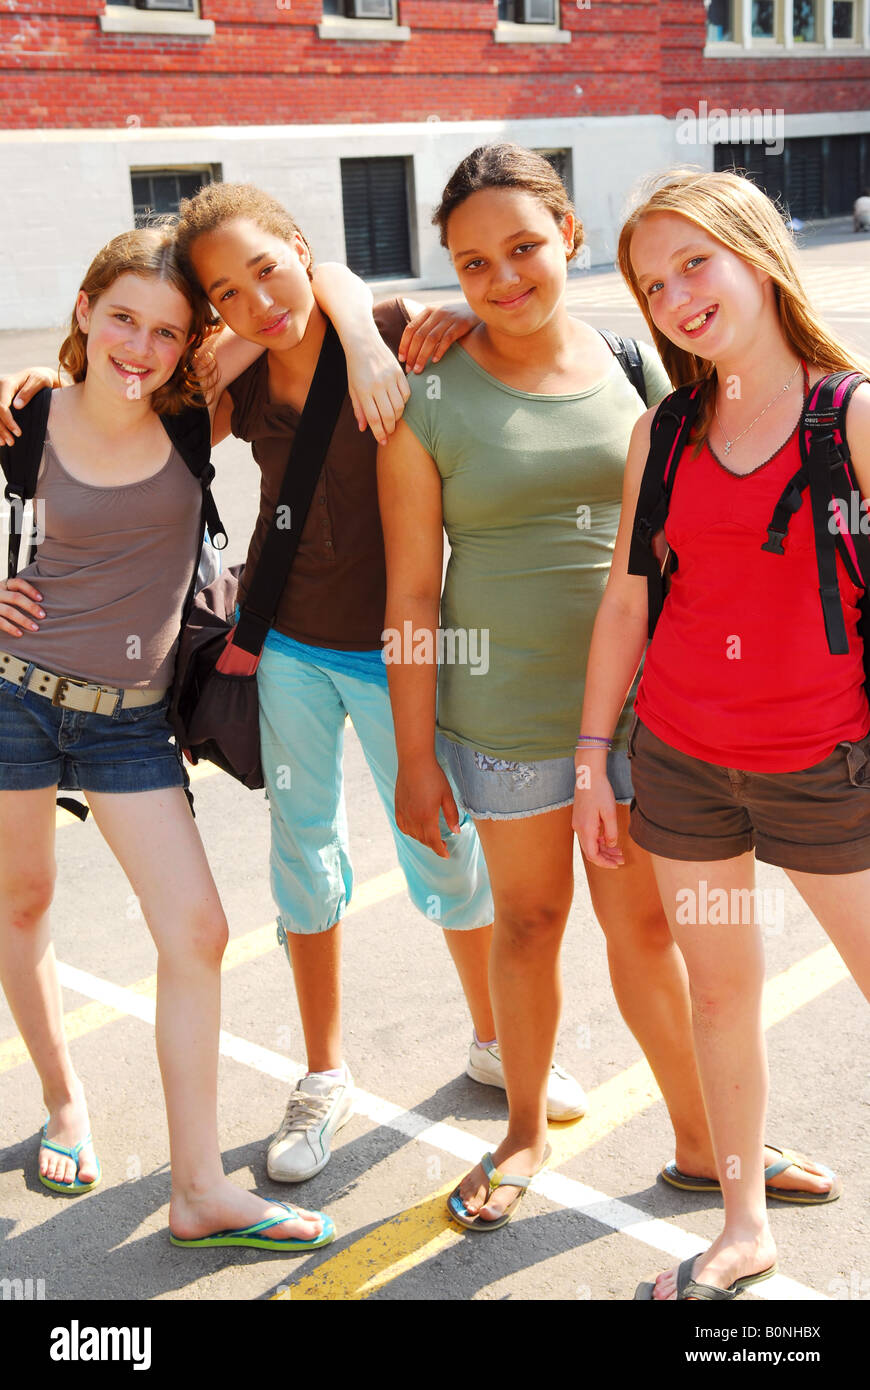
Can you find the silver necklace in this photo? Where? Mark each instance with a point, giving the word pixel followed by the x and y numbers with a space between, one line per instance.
pixel 729 443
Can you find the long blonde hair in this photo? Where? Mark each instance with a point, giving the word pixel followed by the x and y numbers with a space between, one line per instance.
pixel 150 253
pixel 736 212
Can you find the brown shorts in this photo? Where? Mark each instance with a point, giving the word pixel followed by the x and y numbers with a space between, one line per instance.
pixel 816 820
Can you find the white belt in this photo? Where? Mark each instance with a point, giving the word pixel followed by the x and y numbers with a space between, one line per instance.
pixel 69 693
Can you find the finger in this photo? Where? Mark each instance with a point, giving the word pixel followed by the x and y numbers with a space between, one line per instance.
pixel 6 626
pixel 448 338
pixel 9 430
pixel 28 607
pixel 421 332
pixel 23 586
pixel 428 347
pixel 358 411
pixel 451 814
pixel 375 423
pixel 609 828
pixel 28 389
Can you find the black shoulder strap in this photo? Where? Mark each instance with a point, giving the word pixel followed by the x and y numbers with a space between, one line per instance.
pixel 627 353
pixel 669 435
pixel 190 432
pixel 20 463
pixel 826 461
pixel 316 426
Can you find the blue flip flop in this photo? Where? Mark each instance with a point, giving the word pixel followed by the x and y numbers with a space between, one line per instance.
pixel 251 1235
pixel 74 1188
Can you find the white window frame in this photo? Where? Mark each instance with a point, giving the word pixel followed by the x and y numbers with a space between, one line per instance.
pixel 783 45
pixel 507 31
pixel 124 19
pixel 339 28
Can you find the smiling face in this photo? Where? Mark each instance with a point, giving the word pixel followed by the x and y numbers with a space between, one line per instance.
pixel 701 296
pixel 257 282
pixel 137 330
pixel 511 258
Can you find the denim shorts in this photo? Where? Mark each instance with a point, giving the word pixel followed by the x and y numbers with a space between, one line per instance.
pixel 499 789
pixel 45 745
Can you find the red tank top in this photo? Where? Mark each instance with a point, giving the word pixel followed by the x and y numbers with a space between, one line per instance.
pixel 738 672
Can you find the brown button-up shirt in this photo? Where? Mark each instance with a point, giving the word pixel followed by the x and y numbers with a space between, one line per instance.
pixel 336 592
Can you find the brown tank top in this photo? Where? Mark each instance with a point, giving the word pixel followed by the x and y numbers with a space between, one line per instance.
pixel 113 568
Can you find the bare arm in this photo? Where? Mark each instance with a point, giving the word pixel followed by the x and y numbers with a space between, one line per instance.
pixel 376 383
pixel 17 388
pixel 409 489
pixel 619 638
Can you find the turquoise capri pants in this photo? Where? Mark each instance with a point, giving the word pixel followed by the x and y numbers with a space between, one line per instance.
pixel 303 707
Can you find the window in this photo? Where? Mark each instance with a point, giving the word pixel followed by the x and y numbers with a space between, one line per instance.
pixel 843 22
pixel 804 21
pixel 360 9
pixel 187 5
pixel 561 162
pixel 527 11
pixel 720 21
pixel 178 17
pixel 376 224
pixel 815 176
pixel 158 191
pixel 763 16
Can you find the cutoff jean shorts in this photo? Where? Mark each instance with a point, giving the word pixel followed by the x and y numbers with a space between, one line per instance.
pixel 501 789
pixel 45 745
pixel 303 707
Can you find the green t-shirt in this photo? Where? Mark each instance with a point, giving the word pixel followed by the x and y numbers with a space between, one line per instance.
pixel 531 489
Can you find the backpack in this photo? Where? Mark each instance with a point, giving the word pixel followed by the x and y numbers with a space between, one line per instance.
pixel 189 431
pixel 627 353
pixel 825 473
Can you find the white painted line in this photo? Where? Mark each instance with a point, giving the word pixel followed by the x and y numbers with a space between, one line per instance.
pixel 564 1191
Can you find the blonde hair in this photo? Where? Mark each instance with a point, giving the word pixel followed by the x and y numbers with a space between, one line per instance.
pixel 218 203
pixel 739 215
pixel 507 166
pixel 148 252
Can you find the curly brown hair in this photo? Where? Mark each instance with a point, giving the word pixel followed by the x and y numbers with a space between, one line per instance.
pixel 507 166
pixel 150 253
pixel 218 203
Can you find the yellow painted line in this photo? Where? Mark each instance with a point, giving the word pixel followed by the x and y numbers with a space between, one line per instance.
pixel 393 1248
pixel 239 951
pixel 416 1235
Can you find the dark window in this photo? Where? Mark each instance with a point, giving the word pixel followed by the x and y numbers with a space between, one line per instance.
pixel 376 227
pixel 819 176
pixel 720 20
pixel 160 190
pixel 361 9
pixel 762 19
pixel 804 23
pixel 843 21
pixel 189 6
pixel 528 11
pixel 333 7
pixel 561 162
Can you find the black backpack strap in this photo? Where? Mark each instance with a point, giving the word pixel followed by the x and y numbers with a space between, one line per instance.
pixel 669 435
pixel 825 455
pixel 316 426
pixel 20 462
pixel 627 353
pixel 190 432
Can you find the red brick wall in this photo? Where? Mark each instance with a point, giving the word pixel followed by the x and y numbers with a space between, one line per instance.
pixel 267 65
pixel 792 85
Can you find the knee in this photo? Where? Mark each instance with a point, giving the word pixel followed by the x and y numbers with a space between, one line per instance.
pixel 201 940
pixel 534 927
pixel 639 931
pixel 28 897
pixel 718 1002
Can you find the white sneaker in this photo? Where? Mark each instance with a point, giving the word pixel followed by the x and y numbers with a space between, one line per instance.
pixel 318 1107
pixel 566 1099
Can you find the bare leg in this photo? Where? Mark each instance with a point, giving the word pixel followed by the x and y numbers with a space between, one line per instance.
pixel 28 972
pixel 531 871
pixel 726 974
pixel 841 902
pixel 651 987
pixel 316 961
pixel 470 951
pixel 155 840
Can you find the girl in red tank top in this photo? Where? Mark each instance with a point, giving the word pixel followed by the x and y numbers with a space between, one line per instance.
pixel 749 734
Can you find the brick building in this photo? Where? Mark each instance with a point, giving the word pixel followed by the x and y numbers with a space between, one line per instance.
pixel 355 111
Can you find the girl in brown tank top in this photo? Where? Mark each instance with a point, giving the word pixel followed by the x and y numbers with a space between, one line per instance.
pixel 121 520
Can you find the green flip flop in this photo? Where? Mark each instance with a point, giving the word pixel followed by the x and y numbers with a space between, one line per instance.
pixel 252 1236
pixel 687 1182
pixel 687 1288
pixel 74 1188
pixel 456 1206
